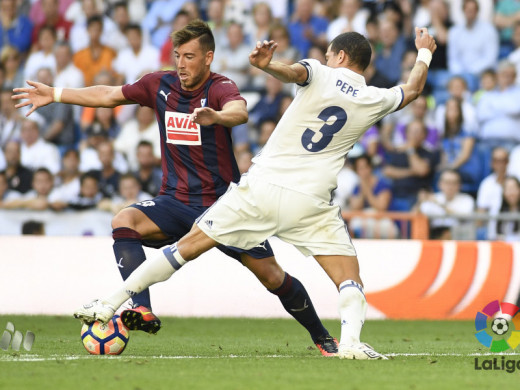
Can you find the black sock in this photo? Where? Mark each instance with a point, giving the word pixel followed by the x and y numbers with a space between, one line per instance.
pixel 296 302
pixel 130 255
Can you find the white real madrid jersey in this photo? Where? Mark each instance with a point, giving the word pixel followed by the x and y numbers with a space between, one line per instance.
pixel 330 112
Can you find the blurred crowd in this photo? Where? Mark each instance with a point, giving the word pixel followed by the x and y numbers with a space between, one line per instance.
pixel 455 150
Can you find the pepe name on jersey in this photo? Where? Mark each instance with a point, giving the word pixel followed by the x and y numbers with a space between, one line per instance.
pixel 346 88
pixel 180 130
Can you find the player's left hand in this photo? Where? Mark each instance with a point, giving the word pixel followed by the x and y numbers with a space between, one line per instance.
pixel 204 116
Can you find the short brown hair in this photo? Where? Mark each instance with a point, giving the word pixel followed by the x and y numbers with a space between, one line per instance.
pixel 196 29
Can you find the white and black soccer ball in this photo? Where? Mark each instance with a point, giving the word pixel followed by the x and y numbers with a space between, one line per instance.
pixel 500 326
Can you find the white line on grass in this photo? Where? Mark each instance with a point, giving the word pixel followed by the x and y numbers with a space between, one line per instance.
pixel 39 358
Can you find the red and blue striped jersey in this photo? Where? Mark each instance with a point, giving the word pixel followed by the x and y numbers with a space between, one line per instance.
pixel 197 161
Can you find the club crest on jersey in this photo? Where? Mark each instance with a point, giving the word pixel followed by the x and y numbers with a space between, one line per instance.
pixel 180 130
pixel 203 102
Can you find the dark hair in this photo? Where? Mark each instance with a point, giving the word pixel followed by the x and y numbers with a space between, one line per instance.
pixel 33 227
pixel 454 172
pixel 182 12
pixel 133 26
pixel 447 129
pixel 465 2
pixel 504 208
pixel 43 170
pixel 120 4
pixel 196 29
pixel 95 19
pixel 49 29
pixel 362 156
pixel 355 46
pixel 89 175
pixel 71 151
pixel 144 143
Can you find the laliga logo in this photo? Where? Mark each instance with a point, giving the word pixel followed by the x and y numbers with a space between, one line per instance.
pixel 504 337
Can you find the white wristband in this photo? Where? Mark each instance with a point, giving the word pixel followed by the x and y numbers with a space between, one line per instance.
pixel 57 94
pixel 424 55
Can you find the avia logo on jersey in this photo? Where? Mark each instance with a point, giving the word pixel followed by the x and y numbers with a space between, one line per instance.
pixel 180 130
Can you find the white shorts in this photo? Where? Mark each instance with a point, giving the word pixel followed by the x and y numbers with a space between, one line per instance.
pixel 248 214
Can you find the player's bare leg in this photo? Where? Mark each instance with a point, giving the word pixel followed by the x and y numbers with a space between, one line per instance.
pixel 344 272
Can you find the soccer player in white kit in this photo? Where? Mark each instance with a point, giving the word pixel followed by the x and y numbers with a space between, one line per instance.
pixel 287 192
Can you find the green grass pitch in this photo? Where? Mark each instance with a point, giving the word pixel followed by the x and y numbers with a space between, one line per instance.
pixel 229 353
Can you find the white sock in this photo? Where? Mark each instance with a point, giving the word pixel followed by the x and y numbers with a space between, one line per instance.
pixel 154 270
pixel 352 311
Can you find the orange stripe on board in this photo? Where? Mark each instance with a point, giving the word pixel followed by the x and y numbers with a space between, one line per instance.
pixel 497 280
pixel 402 301
pixel 440 304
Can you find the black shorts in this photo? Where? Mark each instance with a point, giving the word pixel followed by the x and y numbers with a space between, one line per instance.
pixel 175 220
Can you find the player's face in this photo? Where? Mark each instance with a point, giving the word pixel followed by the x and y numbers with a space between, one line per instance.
pixel 192 64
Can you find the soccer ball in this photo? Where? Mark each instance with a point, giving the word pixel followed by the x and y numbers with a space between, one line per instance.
pixel 105 339
pixel 500 326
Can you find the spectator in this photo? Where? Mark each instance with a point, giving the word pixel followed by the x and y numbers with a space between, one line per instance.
pixel 67 75
pixel 510 203
pixel 158 18
pixel 410 167
pixel 438 27
pixel 458 150
pixel 472 45
pixel 89 159
pixel 37 197
pixel 19 177
pixel 307 29
pixel 31 227
pixel 352 17
pixel 215 13
pixel 244 160
pixel 108 176
pixel 36 152
pixel 371 194
pixel 374 77
pixel 488 82
pixel 15 30
pixel 89 195
pixel 233 59
pixel 514 57
pixel 490 189
pixel 394 136
pixel 499 112
pixel 143 127
pixel 104 117
pixel 457 11
pixel 44 57
pixel 148 173
pixel 120 15
pixel 96 57
pixel 268 107
pixel 79 35
pixel 59 127
pixel 284 53
pixel 54 19
pixel 37 14
pixel 10 119
pixel 507 13
pixel 262 21
pixel 139 57
pixel 129 193
pixel 68 180
pixel 448 201
pixel 393 47
pixel 513 168
pixel 166 57
pixel 6 194
pixel 10 58
pixel 347 181
pixel 458 89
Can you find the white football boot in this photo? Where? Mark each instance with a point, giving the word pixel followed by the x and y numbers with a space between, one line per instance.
pixel 95 311
pixel 361 351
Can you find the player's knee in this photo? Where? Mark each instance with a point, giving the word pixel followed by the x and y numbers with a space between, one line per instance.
pixel 269 273
pixel 124 218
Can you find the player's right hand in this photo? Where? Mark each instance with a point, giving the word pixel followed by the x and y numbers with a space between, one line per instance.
pixel 424 40
pixel 262 54
pixel 40 95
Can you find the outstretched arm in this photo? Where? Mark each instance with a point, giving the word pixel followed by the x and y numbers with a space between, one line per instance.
pixel 261 58
pixel 233 113
pixel 40 95
pixel 415 84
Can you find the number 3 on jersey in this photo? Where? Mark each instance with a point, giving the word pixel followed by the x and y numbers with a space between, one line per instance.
pixel 327 130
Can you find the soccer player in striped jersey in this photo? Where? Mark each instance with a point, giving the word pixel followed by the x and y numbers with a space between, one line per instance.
pixel 195 110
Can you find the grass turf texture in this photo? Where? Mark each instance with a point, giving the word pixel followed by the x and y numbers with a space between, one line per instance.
pixel 210 353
